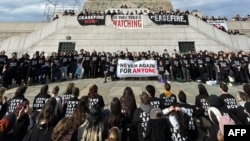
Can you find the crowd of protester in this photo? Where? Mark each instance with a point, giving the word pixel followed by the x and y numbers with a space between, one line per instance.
pixel 203 66
pixel 169 117
pixel 238 17
pixel 69 12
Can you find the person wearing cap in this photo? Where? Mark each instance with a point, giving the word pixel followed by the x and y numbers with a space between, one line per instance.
pixel 141 117
pixel 158 128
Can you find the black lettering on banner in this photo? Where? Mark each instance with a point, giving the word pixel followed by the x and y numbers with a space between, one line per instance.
pixel 241 132
pixel 169 19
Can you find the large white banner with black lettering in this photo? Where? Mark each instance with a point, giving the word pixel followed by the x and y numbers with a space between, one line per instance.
pixel 142 68
pixel 169 19
pixel 128 21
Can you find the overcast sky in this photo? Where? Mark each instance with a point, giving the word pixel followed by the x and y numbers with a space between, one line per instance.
pixel 33 10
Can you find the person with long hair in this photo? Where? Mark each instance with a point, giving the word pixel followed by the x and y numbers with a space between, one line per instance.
pixel 42 131
pixel 128 106
pixel 17 99
pixel 40 99
pixel 80 113
pixel 3 102
pixel 115 117
pixel 92 129
pixel 201 101
pixel 189 115
pixel 64 130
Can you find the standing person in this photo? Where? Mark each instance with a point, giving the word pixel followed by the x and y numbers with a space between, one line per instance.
pixel 128 106
pixel 72 102
pixel 185 67
pixel 94 64
pixel 158 128
pixel 141 117
pixel 208 65
pixel 167 97
pixel 40 99
pixel 10 70
pixel 176 67
pixel 154 101
pixel 161 72
pixel 17 99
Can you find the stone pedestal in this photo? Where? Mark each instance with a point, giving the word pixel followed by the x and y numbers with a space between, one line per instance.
pixel 102 5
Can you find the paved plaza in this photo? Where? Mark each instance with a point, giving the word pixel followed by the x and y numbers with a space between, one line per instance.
pixel 115 88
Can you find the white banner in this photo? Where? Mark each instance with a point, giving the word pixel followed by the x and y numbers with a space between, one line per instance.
pixel 128 21
pixel 142 68
pixel 218 23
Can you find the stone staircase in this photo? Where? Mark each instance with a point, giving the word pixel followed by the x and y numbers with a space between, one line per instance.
pixel 102 5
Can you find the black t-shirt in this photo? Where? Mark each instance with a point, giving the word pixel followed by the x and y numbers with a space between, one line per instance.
pixel 229 102
pixel 140 120
pixel 39 101
pixel 167 101
pixel 96 100
pixel 70 107
pixel 202 104
pixel 155 102
pixel 12 103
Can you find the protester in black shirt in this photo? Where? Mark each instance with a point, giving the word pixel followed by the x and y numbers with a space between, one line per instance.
pixel 40 99
pixel 158 128
pixel 167 97
pixel 141 117
pixel 46 122
pixel 154 101
pixel 17 99
pixel 72 102
pixel 189 115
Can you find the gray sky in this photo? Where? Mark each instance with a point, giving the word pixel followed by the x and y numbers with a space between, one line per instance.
pixel 33 10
